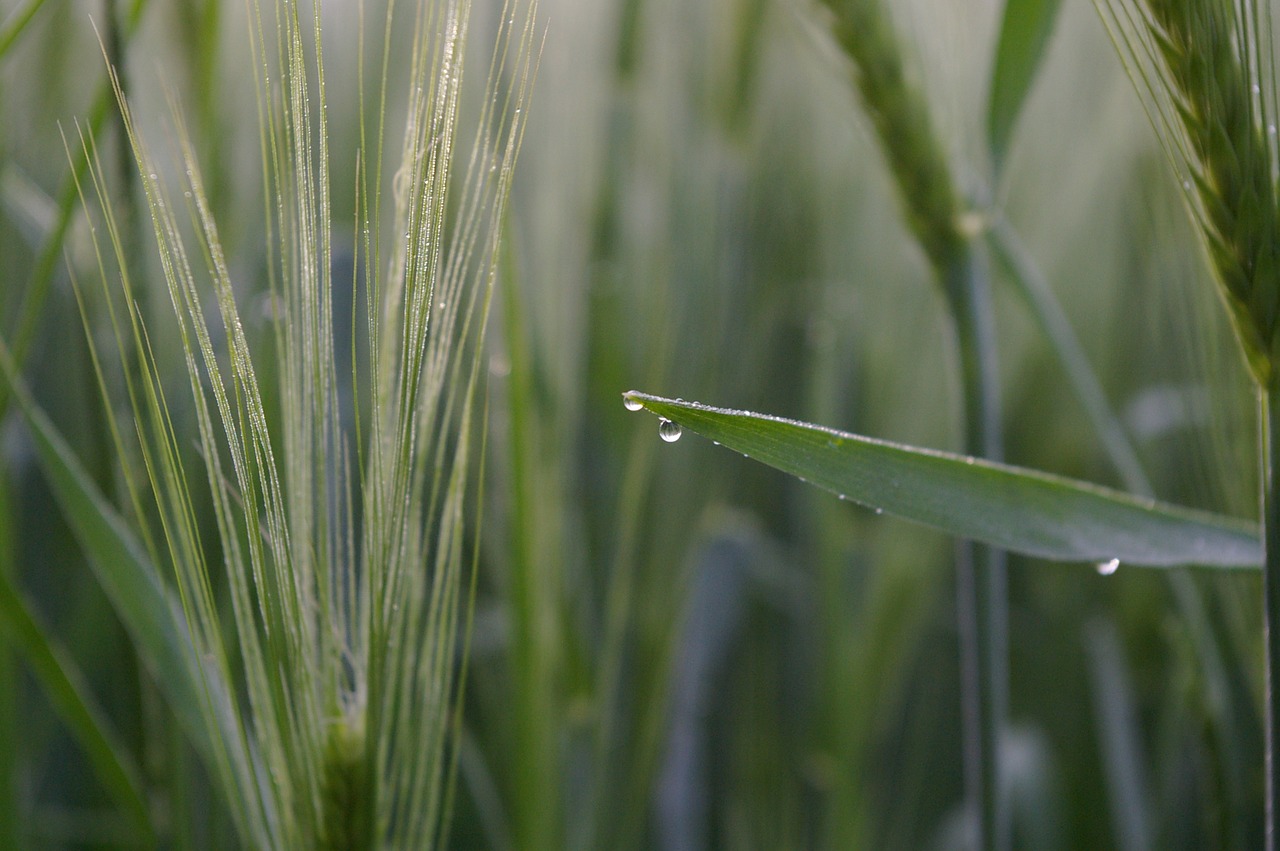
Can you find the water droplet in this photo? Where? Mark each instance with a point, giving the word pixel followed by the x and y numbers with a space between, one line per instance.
pixel 1106 568
pixel 668 430
pixel 1256 89
pixel 1186 184
pixel 631 403
pixel 879 511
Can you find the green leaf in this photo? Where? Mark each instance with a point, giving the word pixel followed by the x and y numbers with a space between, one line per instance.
pixel 1034 288
pixel 131 582
pixel 1016 509
pixel 1023 33
pixel 73 701
pixel 15 23
pixel 160 632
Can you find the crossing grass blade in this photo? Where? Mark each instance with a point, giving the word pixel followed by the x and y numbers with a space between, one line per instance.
pixel 71 699
pixel 1024 32
pixel 121 566
pixel 1016 509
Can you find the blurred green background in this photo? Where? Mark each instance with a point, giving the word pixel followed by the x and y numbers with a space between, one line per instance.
pixel 675 647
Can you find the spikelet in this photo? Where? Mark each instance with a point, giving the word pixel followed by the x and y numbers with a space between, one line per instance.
pixel 1198 62
pixel 864 31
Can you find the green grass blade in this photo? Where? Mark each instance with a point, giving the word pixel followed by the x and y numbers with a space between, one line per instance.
pixel 130 580
pixel 1034 289
pixel 10 721
pixel 16 22
pixel 1024 33
pixel 160 632
pixel 41 279
pixel 1016 509
pixel 70 697
pixel 1121 751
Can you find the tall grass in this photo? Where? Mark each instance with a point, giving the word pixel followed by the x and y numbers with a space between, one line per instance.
pixel 935 215
pixel 1208 70
pixel 326 592
pixel 672 646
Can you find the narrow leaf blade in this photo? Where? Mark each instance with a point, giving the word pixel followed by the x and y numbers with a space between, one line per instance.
pixel 1016 509
pixel 72 700
pixel 1024 32
pixel 200 697
pixel 131 582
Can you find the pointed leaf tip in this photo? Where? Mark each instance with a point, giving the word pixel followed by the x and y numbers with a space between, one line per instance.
pixel 1016 509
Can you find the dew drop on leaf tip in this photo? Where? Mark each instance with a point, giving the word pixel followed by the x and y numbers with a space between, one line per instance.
pixel 1106 568
pixel 631 403
pixel 668 430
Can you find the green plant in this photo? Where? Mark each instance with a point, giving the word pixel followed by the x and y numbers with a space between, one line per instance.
pixel 312 648
pixel 672 647
pixel 1018 510
pixel 1210 83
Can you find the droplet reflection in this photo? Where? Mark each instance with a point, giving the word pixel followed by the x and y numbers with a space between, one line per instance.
pixel 1106 568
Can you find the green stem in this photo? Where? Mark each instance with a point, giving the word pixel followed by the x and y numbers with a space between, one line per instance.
pixel 981 594
pixel 1269 422
pixel 46 264
pixel 9 720
pixel 1030 283
pixel 537 670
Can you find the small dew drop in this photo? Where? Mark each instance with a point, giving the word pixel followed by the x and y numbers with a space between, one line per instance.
pixel 1106 568
pixel 1186 184
pixel 631 403
pixel 668 430
pixel 879 511
pixel 1256 89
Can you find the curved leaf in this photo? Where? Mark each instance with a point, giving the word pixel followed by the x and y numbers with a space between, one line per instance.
pixel 1024 32
pixel 200 697
pixel 1016 509
pixel 72 699
pixel 131 582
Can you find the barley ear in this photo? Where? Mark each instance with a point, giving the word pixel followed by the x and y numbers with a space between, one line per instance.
pixel 1197 61
pixel 899 111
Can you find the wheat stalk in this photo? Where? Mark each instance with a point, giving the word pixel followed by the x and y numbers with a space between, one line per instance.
pixel 898 109
pixel 933 212
pixel 1207 74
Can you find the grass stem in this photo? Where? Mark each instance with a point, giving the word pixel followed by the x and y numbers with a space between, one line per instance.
pixel 1269 422
pixel 932 211
pixel 981 594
